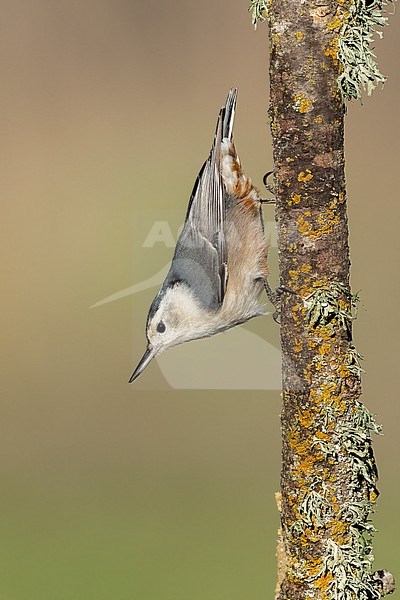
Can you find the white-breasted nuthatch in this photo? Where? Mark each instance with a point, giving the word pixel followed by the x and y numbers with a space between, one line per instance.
pixel 219 267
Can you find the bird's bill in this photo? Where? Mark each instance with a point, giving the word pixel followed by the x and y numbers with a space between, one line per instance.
pixel 144 361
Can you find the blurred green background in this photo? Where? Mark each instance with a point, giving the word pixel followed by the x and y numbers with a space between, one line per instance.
pixel 112 491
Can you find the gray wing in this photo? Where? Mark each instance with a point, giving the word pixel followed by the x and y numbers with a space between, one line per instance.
pixel 201 252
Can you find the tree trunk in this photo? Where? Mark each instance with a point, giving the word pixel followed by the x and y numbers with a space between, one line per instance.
pixel 328 479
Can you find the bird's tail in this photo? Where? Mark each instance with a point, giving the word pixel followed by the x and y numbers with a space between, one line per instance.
pixel 224 128
pixel 228 114
pixel 209 181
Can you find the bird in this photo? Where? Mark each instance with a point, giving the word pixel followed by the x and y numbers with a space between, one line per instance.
pixel 220 263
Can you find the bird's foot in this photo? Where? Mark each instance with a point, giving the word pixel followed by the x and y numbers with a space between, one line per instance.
pixel 275 297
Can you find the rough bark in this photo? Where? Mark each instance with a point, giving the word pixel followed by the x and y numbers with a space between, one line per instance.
pixel 328 479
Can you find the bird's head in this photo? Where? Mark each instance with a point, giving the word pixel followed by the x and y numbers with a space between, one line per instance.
pixel 174 317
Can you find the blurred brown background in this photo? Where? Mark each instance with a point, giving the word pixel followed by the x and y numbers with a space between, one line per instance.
pixel 148 492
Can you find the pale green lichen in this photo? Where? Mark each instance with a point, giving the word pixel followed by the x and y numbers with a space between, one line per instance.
pixel 259 11
pixel 324 305
pixel 364 419
pixel 314 506
pixel 359 69
pixel 350 564
pixel 353 360
pixel 345 569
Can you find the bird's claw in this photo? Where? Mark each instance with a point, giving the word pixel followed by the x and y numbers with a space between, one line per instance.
pixel 267 185
pixel 275 298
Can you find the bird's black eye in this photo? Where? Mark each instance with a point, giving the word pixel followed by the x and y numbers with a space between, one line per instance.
pixel 161 327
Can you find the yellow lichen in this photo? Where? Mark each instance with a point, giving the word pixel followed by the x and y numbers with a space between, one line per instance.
pixel 310 536
pixel 298 345
pixel 325 349
pixel 321 435
pixel 323 582
pixel 294 273
pixel 373 495
pixel 302 104
pixel 305 175
pixel 343 371
pixel 299 35
pixel 324 224
pixel 306 466
pixel 306 418
pixel 294 199
pixel 339 531
pixel 314 566
pixel 304 226
pixel 318 119
pixel 297 308
pixel 336 23
pixel 332 50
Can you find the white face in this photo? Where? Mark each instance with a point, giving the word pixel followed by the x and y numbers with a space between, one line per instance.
pixel 163 329
pixel 178 319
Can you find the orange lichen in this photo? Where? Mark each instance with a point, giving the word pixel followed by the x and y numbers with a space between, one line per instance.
pixel 332 50
pixel 343 371
pixel 335 23
pixel 305 175
pixel 302 104
pixel 295 199
pixel 297 308
pixel 314 567
pixel 309 536
pixel 323 582
pixel 325 222
pixel 298 345
pixel 301 447
pixel 305 268
pixel 306 418
pixel 295 273
pixel 339 531
pixel 321 435
pixel 325 349
pixel 306 467
pixel 373 495
pixel 304 226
